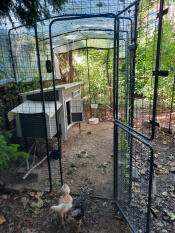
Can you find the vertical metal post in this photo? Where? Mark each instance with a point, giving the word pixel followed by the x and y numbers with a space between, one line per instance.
pixel 151 171
pixel 117 69
pixel 55 101
pixel 126 79
pixel 132 87
pixel 160 15
pixel 115 105
pixel 43 104
pixel 89 78
pixel 11 54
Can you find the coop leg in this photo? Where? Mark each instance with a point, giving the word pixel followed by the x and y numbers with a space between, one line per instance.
pixel 34 156
pixel 27 164
pixel 79 128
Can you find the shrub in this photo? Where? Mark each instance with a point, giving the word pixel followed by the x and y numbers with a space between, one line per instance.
pixel 8 152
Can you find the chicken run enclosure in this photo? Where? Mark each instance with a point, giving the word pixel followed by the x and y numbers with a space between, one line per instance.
pixel 114 52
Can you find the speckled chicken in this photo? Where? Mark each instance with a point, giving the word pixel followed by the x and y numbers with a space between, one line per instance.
pixel 65 203
pixel 80 207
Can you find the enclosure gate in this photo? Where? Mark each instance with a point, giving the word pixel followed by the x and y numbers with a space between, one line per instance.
pixel 133 155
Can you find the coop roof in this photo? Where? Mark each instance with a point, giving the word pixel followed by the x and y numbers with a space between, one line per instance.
pixel 48 89
pixel 32 107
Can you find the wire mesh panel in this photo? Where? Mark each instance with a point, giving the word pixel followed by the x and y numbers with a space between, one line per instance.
pixel 134 172
pixel 145 65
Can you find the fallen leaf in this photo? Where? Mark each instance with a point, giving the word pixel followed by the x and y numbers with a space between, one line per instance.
pixel 4 197
pixel 170 214
pixel 36 196
pixel 37 204
pixel 24 201
pixel 164 142
pixel 15 198
pixel 32 194
pixel 2 219
pixel 40 193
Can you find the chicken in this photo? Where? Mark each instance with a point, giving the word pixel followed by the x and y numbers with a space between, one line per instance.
pixel 65 203
pixel 80 207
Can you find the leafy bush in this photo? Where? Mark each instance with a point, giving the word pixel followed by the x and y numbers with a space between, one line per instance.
pixel 8 152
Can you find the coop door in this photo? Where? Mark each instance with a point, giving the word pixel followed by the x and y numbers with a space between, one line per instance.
pixel 77 110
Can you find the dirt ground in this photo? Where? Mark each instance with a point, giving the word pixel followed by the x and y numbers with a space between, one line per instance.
pixel 87 159
pixel 89 155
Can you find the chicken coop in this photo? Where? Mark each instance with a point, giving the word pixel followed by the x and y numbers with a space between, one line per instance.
pixel 49 67
pixel 28 115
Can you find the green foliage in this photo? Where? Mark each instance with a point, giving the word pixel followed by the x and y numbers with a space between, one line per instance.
pixel 146 56
pixel 100 75
pixel 8 152
pixel 29 11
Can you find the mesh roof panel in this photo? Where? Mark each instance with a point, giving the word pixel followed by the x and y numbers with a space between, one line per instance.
pixel 94 6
